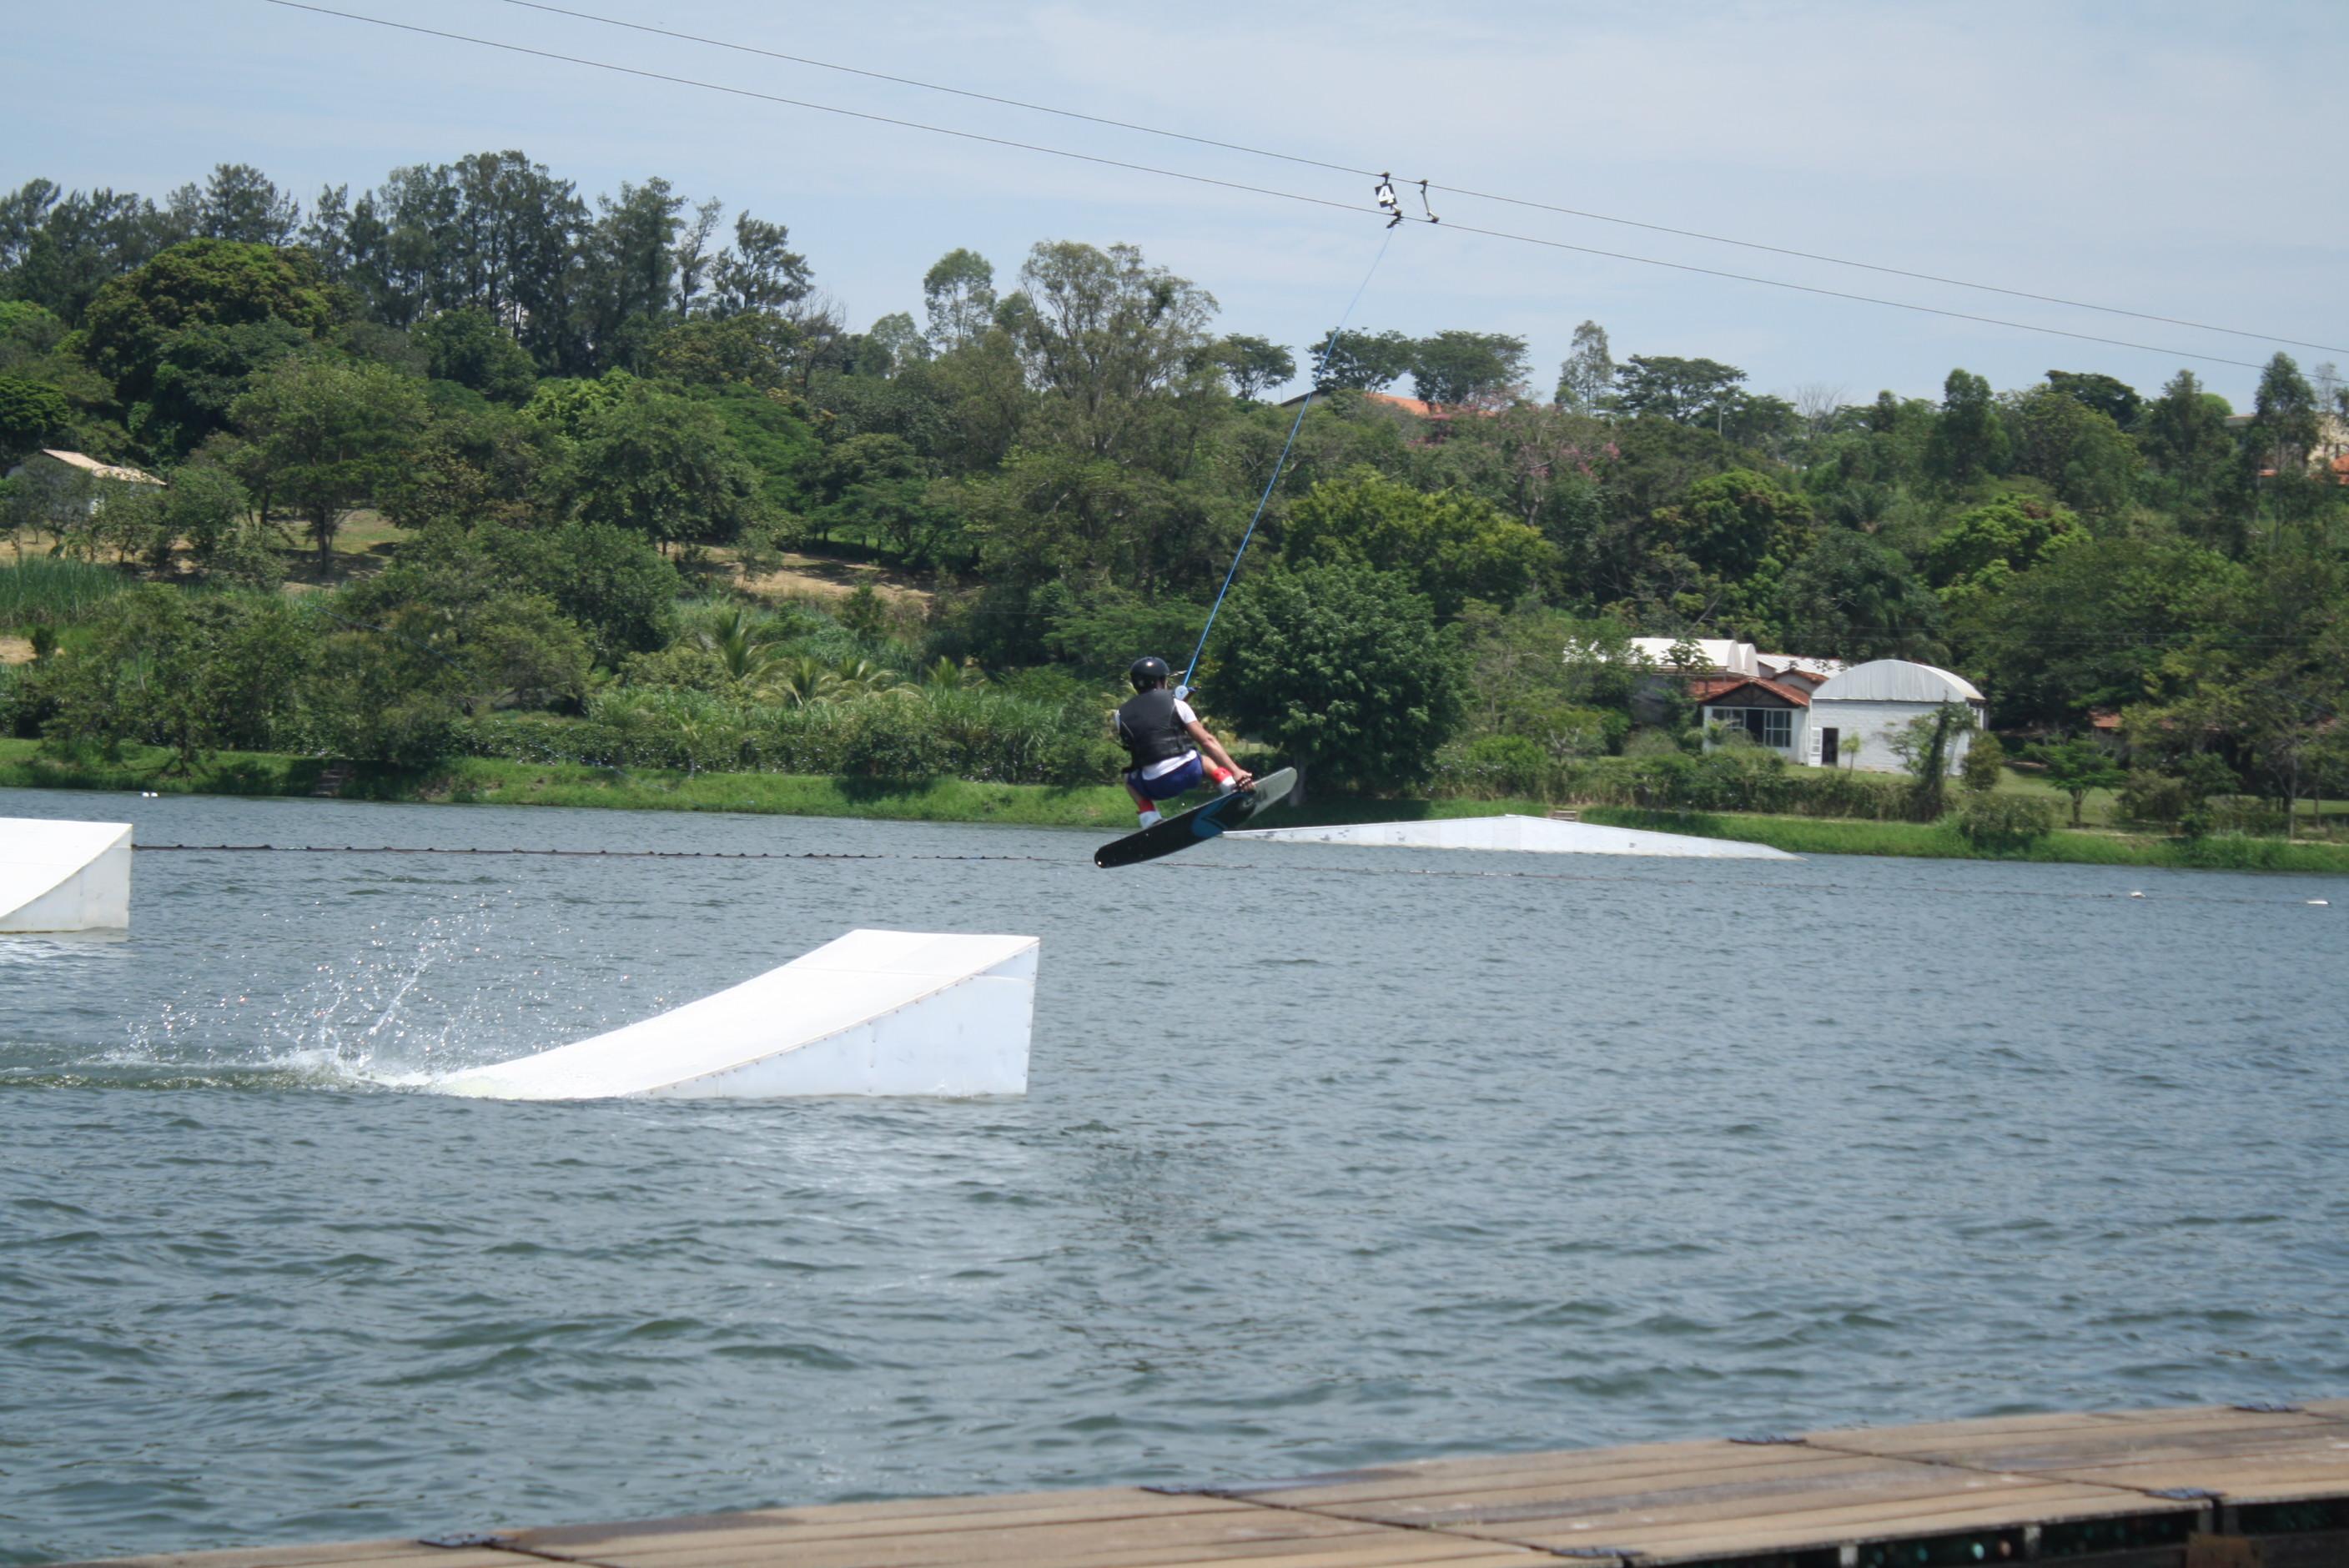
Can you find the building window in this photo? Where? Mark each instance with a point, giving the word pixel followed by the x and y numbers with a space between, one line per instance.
pixel 1770 727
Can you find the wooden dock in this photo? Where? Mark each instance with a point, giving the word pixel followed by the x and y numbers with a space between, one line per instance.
pixel 2243 1487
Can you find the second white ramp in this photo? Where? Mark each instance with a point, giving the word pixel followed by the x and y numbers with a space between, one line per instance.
pixel 872 1013
pixel 1540 835
pixel 64 876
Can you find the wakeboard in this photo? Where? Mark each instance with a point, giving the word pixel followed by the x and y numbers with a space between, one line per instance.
pixel 1201 822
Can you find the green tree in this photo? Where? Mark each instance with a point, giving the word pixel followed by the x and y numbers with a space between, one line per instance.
pixel 1101 332
pixel 31 417
pixel 1969 442
pixel 1479 370
pixel 1981 551
pixel 59 248
pixel 2284 424
pixel 1732 524
pixel 611 582
pixel 958 294
pixel 1853 597
pixel 2184 440
pixel 1924 745
pixel 1588 371
pixel 191 673
pixel 760 273
pixel 418 648
pixel 238 202
pixel 468 346
pixel 2076 767
pixel 2073 447
pixel 1984 764
pixel 1685 391
pixel 329 437
pixel 1341 667
pixel 1254 364
pixel 665 468
pixel 2116 399
pixel 1361 361
pixel 1451 546
pixel 204 282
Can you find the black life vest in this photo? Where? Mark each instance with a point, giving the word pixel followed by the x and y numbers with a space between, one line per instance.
pixel 1151 729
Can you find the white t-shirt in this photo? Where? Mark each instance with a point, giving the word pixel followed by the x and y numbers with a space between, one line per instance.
pixel 1165 764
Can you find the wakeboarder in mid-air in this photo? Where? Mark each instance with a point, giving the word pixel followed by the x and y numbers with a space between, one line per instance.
pixel 1164 742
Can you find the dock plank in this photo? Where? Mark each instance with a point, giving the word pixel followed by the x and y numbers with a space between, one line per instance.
pixel 1658 1503
pixel 2241 1455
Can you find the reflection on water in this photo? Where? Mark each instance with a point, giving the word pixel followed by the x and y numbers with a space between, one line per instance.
pixel 1331 1156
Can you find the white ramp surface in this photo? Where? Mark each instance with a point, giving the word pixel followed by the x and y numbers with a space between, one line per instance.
pixel 64 876
pixel 874 1013
pixel 1537 835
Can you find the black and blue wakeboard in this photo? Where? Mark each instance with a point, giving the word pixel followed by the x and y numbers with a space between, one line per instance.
pixel 1201 822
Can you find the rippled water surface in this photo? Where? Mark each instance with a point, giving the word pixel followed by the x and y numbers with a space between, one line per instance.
pixel 1331 1156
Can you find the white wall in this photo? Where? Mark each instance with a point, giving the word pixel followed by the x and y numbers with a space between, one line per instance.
pixel 1875 724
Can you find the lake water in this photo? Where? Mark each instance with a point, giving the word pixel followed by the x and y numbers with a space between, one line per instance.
pixel 1331 1156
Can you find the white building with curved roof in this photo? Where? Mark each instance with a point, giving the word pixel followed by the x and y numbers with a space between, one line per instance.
pixel 1874 702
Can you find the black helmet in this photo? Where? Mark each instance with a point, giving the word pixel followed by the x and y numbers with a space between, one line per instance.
pixel 1147 670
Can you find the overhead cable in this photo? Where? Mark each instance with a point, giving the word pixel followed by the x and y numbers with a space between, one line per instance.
pixel 1240 185
pixel 1308 162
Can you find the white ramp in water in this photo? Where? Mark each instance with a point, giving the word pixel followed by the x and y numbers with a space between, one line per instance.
pixel 874 1013
pixel 1539 835
pixel 64 876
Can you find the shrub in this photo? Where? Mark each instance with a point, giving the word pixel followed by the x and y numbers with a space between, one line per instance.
pixel 2003 822
pixel 2155 798
pixel 1497 765
pixel 1984 760
pixel 2246 814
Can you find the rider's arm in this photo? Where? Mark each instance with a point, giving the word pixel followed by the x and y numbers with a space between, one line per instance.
pixel 1214 748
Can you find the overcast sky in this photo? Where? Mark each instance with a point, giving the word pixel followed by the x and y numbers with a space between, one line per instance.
pixel 2166 158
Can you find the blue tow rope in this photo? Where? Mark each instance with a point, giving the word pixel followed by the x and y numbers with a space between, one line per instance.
pixel 1184 680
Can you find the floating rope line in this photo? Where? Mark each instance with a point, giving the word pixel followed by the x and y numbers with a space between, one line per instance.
pixel 1186 679
pixel 1447 872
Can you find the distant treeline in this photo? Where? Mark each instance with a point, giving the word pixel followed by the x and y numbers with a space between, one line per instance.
pixel 577 410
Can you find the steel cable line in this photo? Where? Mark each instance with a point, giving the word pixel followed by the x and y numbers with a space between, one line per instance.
pixel 804 103
pixel 1252 189
pixel 1432 183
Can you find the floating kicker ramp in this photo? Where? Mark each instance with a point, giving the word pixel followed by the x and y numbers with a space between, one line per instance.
pixel 1539 835
pixel 64 876
pixel 874 1013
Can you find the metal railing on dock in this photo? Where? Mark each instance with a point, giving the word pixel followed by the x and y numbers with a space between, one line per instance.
pixel 2239 1486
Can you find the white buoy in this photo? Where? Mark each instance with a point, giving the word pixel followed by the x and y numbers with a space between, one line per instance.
pixel 2137 895
pixel 872 1013
pixel 64 876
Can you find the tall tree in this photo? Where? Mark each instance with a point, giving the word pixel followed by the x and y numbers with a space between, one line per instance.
pixel 959 292
pixel 760 272
pixel 1451 546
pixel 238 202
pixel 1685 391
pixel 2114 399
pixel 2284 424
pixel 1969 442
pixel 2185 440
pixel 1588 373
pixel 1254 364
pixel 1483 369
pixel 59 248
pixel 1344 671
pixel 1361 361
pixel 1100 330
pixel 328 437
